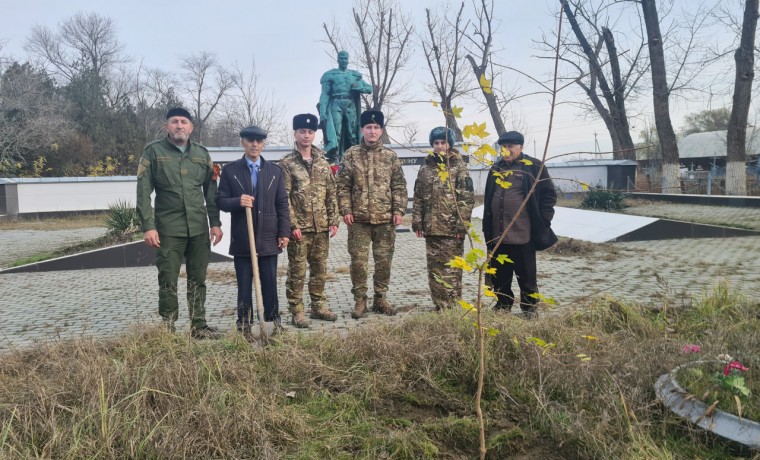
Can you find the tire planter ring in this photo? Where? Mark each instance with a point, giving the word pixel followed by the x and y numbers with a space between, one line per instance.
pixel 686 405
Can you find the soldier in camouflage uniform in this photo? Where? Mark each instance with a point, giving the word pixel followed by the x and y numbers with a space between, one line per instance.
pixel 372 198
pixel 443 201
pixel 314 219
pixel 182 174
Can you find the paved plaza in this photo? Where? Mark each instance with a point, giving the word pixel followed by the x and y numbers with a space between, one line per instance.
pixel 51 305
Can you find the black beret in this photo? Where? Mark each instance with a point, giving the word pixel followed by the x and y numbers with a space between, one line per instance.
pixel 511 137
pixel 253 133
pixel 178 112
pixel 305 121
pixel 372 116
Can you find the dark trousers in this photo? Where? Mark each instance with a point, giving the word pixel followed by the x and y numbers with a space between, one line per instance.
pixel 268 275
pixel 523 265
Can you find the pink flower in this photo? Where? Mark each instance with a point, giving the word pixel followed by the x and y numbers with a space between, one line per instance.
pixel 733 365
pixel 690 348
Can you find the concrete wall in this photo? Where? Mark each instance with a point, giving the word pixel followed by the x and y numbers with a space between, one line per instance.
pixel 78 194
pixel 70 194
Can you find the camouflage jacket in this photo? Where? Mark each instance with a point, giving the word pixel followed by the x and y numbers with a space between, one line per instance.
pixel 311 192
pixel 371 185
pixel 435 206
pixel 185 189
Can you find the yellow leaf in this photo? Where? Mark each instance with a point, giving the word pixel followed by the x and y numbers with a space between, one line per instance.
pixel 485 84
pixel 488 292
pixel 443 175
pixel 466 305
pixel 480 130
pixel 584 186
pixel 526 162
pixel 516 343
pixel 456 111
pixel 435 103
pixel 490 270
pixel 460 263
pixel 492 332
pixel 583 357
pixel 503 258
pixel 537 341
pixel 589 337
pixel 484 150
pixel 474 254
pixel 503 183
pixel 466 148
pixel 475 129
pixel 539 296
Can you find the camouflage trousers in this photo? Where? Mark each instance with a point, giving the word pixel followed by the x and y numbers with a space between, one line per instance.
pixel 382 237
pixel 312 250
pixel 445 282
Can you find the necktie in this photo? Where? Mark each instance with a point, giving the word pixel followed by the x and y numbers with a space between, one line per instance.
pixel 254 176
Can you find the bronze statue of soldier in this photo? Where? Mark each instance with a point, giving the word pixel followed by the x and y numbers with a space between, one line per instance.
pixel 339 108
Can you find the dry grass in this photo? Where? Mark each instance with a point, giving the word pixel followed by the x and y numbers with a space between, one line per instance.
pixel 63 223
pixel 220 275
pixel 393 390
pixel 569 247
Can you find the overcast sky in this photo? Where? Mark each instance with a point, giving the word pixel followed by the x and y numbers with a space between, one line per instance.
pixel 286 36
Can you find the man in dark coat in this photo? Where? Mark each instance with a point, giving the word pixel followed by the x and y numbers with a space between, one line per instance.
pixel 253 182
pixel 509 182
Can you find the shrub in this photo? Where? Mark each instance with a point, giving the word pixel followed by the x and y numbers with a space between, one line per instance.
pixel 122 218
pixel 603 199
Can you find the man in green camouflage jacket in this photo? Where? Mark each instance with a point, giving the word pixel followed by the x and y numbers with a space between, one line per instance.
pixel 443 201
pixel 310 185
pixel 182 174
pixel 372 197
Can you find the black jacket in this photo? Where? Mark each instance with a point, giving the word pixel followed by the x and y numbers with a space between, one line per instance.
pixel 271 216
pixel 540 205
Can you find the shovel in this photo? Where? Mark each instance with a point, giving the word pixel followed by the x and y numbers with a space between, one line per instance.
pixel 256 278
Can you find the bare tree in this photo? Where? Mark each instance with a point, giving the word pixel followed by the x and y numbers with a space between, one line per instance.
pixel 736 137
pixel 121 87
pixel 32 116
pixel 661 98
pixel 442 46
pixel 246 105
pixel 206 83
pixel 480 57
pixel 154 94
pixel 255 107
pixel 84 42
pixel 380 38
pixel 607 82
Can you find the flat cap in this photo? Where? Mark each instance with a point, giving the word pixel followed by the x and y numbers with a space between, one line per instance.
pixel 305 121
pixel 253 133
pixel 179 112
pixel 511 137
pixel 372 116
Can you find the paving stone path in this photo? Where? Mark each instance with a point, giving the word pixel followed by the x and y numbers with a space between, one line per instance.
pixel 42 306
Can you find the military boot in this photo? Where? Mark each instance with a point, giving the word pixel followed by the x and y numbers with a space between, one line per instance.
pixel 382 306
pixel 299 320
pixel 323 313
pixel 360 309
